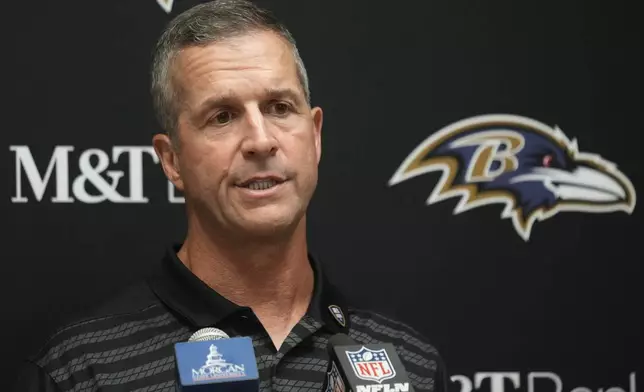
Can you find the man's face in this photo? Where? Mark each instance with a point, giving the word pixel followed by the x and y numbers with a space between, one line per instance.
pixel 249 144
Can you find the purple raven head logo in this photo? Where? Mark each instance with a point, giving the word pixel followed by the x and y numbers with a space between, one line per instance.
pixel 532 169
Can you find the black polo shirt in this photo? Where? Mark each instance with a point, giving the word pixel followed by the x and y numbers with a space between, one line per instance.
pixel 128 343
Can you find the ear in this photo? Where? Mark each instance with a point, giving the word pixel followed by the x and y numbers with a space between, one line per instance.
pixel 168 158
pixel 316 114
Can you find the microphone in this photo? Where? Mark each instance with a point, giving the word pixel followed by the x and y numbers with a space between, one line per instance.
pixel 357 367
pixel 208 334
pixel 212 361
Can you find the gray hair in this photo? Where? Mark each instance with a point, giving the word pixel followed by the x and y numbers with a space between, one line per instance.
pixel 201 25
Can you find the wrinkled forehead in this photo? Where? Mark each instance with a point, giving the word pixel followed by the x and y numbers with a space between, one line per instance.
pixel 244 65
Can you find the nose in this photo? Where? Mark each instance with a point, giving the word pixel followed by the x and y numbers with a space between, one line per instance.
pixel 259 140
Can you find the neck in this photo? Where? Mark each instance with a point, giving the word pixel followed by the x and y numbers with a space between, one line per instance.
pixel 272 277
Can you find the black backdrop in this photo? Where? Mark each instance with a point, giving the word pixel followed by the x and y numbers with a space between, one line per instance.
pixel 567 302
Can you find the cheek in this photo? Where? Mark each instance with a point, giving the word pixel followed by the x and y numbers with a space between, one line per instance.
pixel 205 167
pixel 312 148
pixel 304 147
pixel 305 138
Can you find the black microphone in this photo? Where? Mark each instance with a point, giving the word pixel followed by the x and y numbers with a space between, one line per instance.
pixel 357 367
pixel 212 361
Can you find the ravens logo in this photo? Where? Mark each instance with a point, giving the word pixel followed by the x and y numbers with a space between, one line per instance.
pixel 531 168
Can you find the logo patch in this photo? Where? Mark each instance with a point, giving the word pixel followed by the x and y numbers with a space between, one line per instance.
pixel 535 171
pixel 371 365
pixel 338 315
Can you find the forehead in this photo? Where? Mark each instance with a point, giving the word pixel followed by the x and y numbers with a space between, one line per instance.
pixel 241 64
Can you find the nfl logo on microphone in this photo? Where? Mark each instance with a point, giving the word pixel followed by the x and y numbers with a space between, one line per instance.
pixel 371 365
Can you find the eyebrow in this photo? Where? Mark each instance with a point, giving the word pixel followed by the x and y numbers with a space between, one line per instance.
pixel 229 99
pixel 284 93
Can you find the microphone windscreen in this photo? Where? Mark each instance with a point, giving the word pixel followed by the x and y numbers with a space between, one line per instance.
pixel 208 334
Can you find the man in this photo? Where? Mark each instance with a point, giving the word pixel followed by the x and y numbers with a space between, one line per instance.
pixel 243 144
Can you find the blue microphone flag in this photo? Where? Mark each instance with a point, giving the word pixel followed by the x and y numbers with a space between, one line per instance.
pixel 217 365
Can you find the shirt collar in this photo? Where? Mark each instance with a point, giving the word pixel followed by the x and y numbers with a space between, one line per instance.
pixel 201 306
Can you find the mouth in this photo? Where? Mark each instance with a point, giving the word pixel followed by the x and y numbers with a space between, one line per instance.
pixel 261 183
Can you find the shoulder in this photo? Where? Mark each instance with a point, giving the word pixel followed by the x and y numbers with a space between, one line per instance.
pixel 120 327
pixel 376 327
pixel 117 316
pixel 422 360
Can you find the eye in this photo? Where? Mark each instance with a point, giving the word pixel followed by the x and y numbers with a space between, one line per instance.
pixel 280 108
pixel 222 118
pixel 547 160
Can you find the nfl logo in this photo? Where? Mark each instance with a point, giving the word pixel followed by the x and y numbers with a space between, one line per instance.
pixel 371 365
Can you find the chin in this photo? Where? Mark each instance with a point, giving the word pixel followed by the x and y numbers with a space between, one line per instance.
pixel 266 225
pixel 267 229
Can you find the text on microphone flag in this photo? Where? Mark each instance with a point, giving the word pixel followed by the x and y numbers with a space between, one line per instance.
pixel 371 365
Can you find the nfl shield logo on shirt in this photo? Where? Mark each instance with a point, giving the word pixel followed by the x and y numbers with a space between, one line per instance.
pixel 371 365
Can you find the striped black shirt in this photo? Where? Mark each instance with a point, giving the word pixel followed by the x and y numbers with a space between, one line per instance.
pixel 128 343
